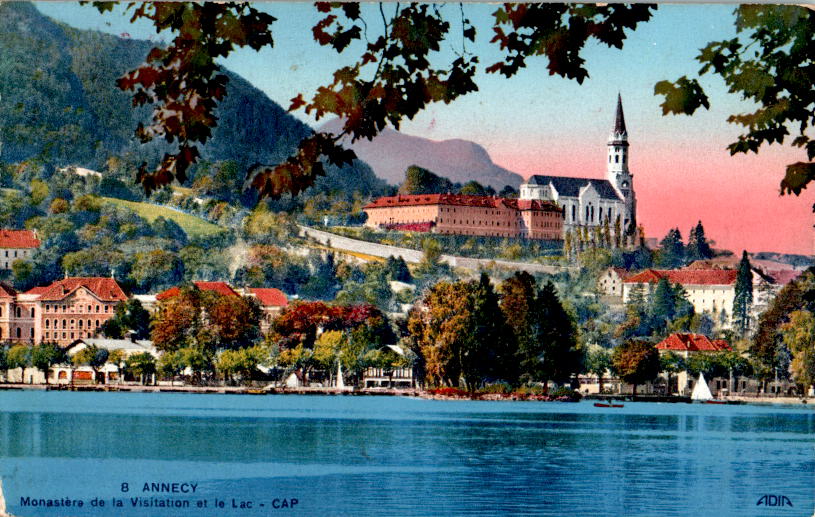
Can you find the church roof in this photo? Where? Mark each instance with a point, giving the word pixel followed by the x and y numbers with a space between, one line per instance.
pixel 619 120
pixel 570 187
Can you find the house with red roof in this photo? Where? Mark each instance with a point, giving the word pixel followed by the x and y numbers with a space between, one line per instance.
pixel 66 310
pixel 17 245
pixel 709 290
pixel 219 287
pixel 459 214
pixel 686 345
pixel 272 302
pixel 610 282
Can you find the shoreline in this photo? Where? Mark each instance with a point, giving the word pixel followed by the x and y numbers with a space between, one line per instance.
pixel 410 392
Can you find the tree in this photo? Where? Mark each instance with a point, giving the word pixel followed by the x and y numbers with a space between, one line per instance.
pixel 19 356
pixel 241 362
pixel 46 355
pixel 492 351
pixel 156 269
pixel 698 247
pixel 743 300
pixel 473 188
pixel 130 316
pixel 92 356
pixel 142 364
pixel 397 269
pixel 671 250
pixel 441 327
pixel 671 363
pixel 598 362
pixel 557 356
pixel 636 362
pixel 799 335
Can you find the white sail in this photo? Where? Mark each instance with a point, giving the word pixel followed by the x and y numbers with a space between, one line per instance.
pixel 701 390
pixel 340 380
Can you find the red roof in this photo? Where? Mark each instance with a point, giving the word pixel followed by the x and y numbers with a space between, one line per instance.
pixel 461 200
pixel 686 277
pixel 622 272
pixel 269 296
pixel 7 291
pixel 18 239
pixel 692 343
pixel 106 289
pixel 219 287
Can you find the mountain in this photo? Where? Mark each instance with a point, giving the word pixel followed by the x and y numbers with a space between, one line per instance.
pixel 60 103
pixel 392 152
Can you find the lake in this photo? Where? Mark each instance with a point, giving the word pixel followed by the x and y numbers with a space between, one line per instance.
pixel 355 455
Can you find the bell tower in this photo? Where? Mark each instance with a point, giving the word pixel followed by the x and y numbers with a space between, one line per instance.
pixel 617 171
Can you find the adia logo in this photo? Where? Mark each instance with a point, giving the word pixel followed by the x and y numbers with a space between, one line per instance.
pixel 774 500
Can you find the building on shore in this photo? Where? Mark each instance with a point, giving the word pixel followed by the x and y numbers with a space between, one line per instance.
pixel 685 346
pixel 709 290
pixel 458 214
pixel 68 309
pixel 591 202
pixel 17 245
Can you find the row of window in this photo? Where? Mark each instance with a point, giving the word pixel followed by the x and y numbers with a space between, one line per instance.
pixel 18 311
pixel 22 253
pixel 78 323
pixel 18 332
pixel 77 308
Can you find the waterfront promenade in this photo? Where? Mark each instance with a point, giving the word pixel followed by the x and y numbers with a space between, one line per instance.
pixel 413 392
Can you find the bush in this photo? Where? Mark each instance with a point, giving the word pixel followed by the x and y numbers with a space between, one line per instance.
pixel 449 392
pixel 502 388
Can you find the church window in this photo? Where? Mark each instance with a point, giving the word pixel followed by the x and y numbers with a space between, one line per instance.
pixel 574 209
pixel 19 332
pixel 31 332
pixel 19 313
pixel 32 312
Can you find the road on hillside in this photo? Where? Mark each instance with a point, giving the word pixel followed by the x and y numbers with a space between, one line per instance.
pixel 415 256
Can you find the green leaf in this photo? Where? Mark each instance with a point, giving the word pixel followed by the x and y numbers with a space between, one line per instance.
pixel 798 176
pixel 683 97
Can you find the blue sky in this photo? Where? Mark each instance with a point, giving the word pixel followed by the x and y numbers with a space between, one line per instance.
pixel 536 123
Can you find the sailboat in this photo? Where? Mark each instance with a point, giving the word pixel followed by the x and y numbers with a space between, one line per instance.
pixel 701 392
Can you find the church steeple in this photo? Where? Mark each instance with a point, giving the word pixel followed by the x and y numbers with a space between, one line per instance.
pixel 617 171
pixel 618 144
pixel 619 121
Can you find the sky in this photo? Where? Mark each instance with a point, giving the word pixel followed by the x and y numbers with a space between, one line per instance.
pixel 535 123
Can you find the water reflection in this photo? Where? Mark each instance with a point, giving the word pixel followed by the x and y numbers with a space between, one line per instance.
pixel 355 455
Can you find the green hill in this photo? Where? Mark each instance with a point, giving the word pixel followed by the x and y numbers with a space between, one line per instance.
pixel 193 226
pixel 60 104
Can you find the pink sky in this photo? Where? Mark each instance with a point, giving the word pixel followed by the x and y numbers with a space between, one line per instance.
pixel 677 184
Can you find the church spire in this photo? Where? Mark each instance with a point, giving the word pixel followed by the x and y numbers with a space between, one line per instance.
pixel 619 121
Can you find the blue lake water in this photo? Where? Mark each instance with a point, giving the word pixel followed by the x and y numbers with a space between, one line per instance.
pixel 399 456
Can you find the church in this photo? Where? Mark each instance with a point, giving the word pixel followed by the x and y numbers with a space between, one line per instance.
pixel 589 202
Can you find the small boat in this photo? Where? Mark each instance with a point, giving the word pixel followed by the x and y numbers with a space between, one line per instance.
pixel 604 404
pixel 715 402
